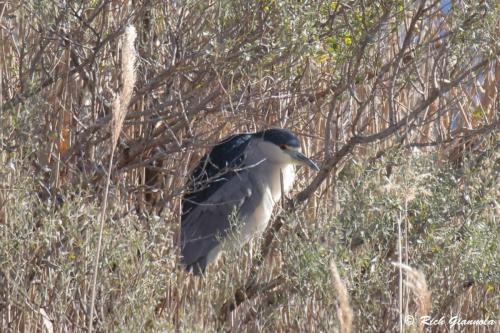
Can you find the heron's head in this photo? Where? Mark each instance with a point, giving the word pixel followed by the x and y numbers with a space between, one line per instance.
pixel 282 146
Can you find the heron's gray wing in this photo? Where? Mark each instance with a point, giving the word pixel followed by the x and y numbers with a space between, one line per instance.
pixel 209 221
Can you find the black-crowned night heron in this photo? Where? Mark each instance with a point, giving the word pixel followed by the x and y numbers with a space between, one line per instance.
pixel 232 192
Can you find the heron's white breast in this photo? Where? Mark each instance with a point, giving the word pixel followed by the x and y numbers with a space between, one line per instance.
pixel 259 219
pixel 255 223
pixel 288 173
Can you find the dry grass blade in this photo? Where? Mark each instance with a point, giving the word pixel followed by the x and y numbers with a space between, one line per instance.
pixel 344 310
pixel 47 322
pixel 119 111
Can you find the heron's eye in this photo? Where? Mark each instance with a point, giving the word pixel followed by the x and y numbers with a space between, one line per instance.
pixel 283 147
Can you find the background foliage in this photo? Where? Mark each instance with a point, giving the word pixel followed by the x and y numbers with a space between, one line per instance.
pixel 396 100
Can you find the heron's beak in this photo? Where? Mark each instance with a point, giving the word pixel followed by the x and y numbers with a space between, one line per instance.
pixel 304 160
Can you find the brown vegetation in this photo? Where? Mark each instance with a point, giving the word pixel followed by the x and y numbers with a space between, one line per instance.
pixel 388 86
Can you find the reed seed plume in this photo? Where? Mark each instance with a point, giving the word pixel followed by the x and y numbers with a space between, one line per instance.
pixel 418 285
pixel 128 81
pixel 344 310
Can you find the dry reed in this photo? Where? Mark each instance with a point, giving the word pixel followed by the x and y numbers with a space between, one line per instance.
pixel 120 105
pixel 417 284
pixel 344 310
pixel 206 72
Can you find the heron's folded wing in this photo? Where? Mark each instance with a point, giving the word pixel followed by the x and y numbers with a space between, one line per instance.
pixel 208 222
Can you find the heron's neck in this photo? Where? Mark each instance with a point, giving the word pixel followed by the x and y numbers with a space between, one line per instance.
pixel 268 173
pixel 288 176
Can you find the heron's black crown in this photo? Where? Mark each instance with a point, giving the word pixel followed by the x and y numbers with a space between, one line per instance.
pixel 279 137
